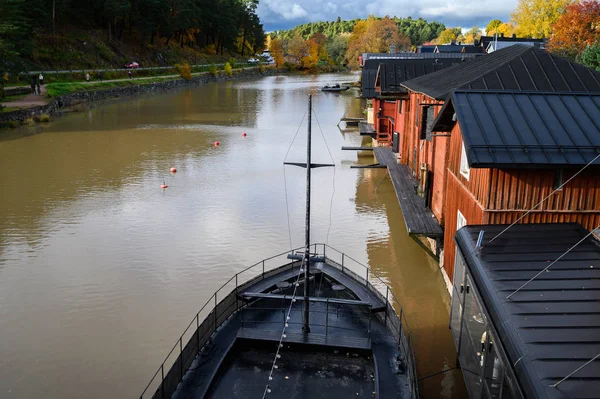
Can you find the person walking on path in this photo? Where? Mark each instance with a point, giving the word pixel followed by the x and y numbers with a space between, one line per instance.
pixel 33 84
pixel 41 79
pixel 130 74
pixel 87 77
pixel 39 88
pixel 100 76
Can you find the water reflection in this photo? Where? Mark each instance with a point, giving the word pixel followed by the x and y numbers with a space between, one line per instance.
pixel 100 269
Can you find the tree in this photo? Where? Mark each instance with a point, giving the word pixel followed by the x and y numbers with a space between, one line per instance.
pixel 338 47
pixel 491 27
pixel 576 29
pixel 375 36
pixel 449 35
pixel 536 18
pixel 590 57
pixel 472 34
pixel 297 49
pixel 276 48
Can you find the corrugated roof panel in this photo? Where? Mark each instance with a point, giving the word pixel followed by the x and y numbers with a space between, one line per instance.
pixel 508 79
pixel 531 69
pixel 551 327
pixel 536 72
pixel 509 129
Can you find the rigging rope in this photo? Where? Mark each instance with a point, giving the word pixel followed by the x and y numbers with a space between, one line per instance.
pixel 332 180
pixel 285 325
pixel 287 206
pixel 542 201
pixel 556 260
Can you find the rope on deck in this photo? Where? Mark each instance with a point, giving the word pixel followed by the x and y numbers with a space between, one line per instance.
pixel 285 325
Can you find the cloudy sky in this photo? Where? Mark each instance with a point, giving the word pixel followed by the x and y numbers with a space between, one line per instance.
pixel 284 14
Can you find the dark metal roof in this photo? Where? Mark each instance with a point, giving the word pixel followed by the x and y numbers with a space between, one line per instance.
pixel 552 326
pixel 425 49
pixel 371 63
pixel 484 41
pixel 512 129
pixel 473 49
pixel 449 48
pixel 513 68
pixel 390 75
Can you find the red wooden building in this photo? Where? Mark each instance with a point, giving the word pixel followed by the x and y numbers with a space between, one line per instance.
pixel 428 141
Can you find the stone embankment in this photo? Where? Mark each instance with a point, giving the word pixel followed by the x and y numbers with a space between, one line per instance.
pixel 55 106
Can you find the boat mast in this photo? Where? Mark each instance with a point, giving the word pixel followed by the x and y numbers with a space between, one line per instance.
pixel 305 326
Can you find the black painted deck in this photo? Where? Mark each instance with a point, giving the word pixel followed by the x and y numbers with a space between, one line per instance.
pixel 418 218
pixel 348 353
pixel 366 129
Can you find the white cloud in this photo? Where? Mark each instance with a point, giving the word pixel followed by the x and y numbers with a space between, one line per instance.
pixel 280 14
pixel 285 9
pixel 329 7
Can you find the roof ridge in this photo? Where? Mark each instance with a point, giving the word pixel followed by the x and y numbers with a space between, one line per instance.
pixel 502 56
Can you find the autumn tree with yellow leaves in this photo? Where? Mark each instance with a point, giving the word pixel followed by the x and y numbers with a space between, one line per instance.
pixel 536 18
pixel 375 36
pixel 277 52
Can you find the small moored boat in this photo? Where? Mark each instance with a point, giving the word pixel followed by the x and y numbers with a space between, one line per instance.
pixel 334 88
pixel 308 323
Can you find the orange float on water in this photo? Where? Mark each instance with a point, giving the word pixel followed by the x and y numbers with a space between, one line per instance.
pixel 244 134
pixel 164 185
pixel 173 170
pixel 217 144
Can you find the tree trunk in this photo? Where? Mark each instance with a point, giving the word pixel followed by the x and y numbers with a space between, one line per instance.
pixel 53 17
pixel 152 37
pixel 243 42
pixel 110 31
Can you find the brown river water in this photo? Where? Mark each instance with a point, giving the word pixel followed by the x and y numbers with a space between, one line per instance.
pixel 101 269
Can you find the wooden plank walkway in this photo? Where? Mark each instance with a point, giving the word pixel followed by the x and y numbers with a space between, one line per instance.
pixel 418 218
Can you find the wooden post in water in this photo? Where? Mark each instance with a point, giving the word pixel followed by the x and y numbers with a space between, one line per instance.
pixel 305 326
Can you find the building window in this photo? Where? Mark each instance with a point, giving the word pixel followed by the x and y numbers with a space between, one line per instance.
pixel 558 179
pixel 464 163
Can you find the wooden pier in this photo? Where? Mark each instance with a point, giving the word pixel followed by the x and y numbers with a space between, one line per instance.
pixel 418 218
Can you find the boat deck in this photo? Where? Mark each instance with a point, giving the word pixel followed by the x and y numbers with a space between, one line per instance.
pixel 418 218
pixel 348 353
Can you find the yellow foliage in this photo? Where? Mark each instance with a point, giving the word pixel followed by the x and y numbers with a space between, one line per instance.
pixel 276 47
pixel 211 49
pixel 311 59
pixel 228 70
pixel 184 71
pixel 447 36
pixel 5 77
pixel 374 36
pixel 536 18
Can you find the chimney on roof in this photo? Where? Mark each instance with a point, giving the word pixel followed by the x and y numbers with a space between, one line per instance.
pixel 392 49
pixel 453 42
pixel 514 35
pixel 501 34
pixel 476 43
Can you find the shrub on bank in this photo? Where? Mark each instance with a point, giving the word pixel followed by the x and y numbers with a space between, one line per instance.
pixel 261 68
pixel 228 70
pixel 213 70
pixel 184 71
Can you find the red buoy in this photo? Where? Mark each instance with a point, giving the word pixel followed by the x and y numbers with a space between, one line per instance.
pixel 163 186
pixel 173 170
pixel 217 143
pixel 244 134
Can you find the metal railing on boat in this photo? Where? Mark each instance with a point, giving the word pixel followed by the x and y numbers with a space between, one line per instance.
pixel 225 302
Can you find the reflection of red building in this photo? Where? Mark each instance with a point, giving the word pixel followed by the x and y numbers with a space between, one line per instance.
pixel 431 143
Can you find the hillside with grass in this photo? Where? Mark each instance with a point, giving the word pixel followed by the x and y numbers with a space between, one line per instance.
pixel 88 34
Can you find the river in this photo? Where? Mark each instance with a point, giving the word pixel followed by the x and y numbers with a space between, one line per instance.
pixel 101 269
